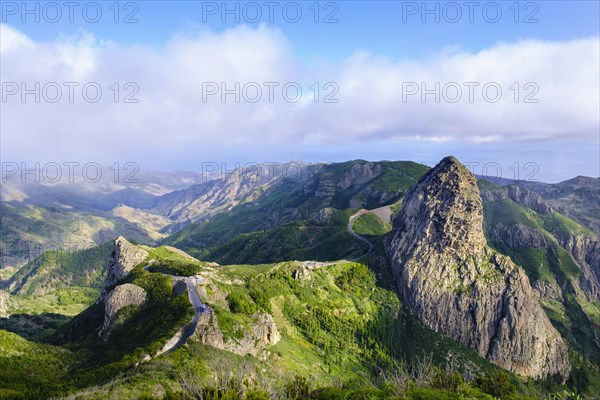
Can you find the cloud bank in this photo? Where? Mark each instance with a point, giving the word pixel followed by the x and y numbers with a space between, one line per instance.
pixel 549 91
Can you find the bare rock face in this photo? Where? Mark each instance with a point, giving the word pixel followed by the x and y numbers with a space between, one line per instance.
pixel 519 236
pixel 520 195
pixel 586 252
pixel 265 329
pixel 360 174
pixel 548 290
pixel 529 199
pixel 457 285
pixel 323 216
pixel 125 257
pixel 122 296
pixel 208 330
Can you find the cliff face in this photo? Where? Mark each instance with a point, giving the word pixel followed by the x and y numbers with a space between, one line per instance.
pixel 457 285
pixel 520 195
pixel 121 297
pixel 586 252
pixel 125 257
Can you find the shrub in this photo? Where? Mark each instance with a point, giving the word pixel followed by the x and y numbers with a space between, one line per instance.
pixel 497 384
pixel 238 303
pixel 297 389
pixel 449 380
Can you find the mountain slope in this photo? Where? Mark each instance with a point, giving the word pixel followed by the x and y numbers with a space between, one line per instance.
pixel 320 198
pixel 561 259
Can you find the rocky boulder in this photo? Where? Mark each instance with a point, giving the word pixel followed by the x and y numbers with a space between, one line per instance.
pixel 455 284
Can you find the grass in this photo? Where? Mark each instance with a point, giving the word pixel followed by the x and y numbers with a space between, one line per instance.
pixel 371 225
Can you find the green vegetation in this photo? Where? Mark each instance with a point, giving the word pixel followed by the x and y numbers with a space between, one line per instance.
pixel 55 269
pixel 293 241
pixel 371 225
pixel 344 335
pixel 31 370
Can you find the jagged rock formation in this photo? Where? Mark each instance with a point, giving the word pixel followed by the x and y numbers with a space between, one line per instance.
pixel 586 252
pixel 263 333
pixel 208 330
pixel 323 216
pixel 547 290
pixel 518 236
pixel 125 257
pixel 122 296
pixel 265 329
pixel 456 284
pixel 520 195
pixel 577 198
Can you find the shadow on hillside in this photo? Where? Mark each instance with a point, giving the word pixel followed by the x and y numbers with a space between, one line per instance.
pixel 36 328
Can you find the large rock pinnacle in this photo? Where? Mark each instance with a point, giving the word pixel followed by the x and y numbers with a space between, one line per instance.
pixel 457 285
pixel 125 257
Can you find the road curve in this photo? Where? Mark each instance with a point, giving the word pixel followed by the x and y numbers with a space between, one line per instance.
pixel 199 308
pixel 360 237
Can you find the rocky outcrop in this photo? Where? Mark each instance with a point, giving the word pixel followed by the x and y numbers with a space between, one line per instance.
pixel 529 199
pixel 586 252
pixel 120 297
pixel 547 290
pixel 124 258
pixel 323 216
pixel 520 195
pixel 265 331
pixel 262 333
pixel 360 174
pixel 518 236
pixel 208 330
pixel 453 282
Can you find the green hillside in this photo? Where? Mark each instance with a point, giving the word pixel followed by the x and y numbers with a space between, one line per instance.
pixel 371 225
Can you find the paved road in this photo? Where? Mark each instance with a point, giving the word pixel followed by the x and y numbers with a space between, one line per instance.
pixel 199 308
pixel 319 264
pixel 364 239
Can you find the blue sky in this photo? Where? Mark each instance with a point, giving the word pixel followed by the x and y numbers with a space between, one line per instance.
pixel 372 50
pixel 374 25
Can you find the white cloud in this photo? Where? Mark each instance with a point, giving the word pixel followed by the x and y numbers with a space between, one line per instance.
pixel 171 116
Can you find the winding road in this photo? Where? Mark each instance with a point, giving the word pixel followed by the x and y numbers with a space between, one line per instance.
pixel 200 307
pixel 356 235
